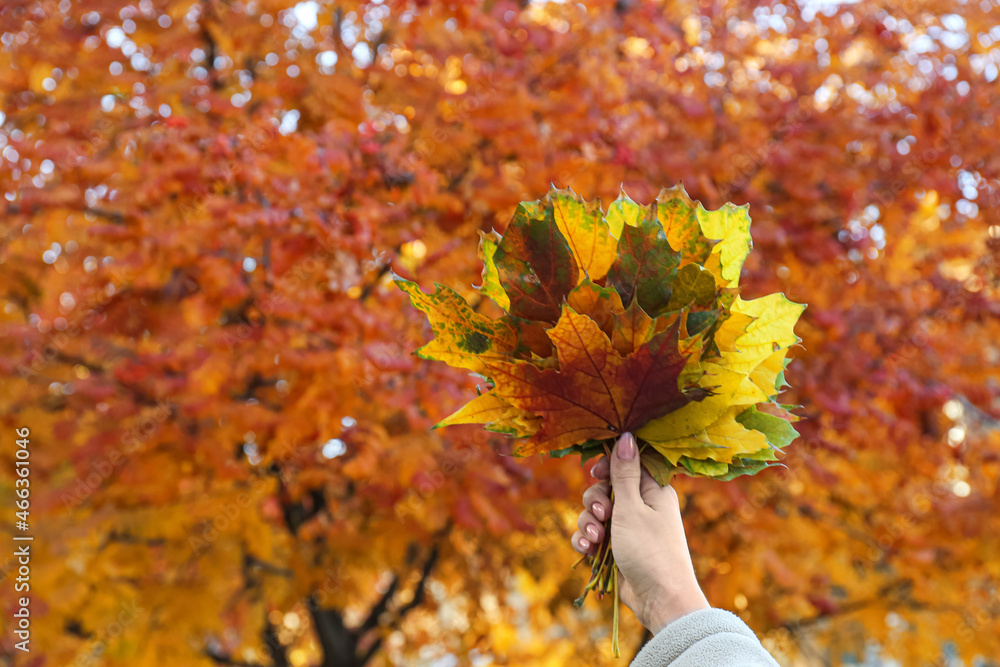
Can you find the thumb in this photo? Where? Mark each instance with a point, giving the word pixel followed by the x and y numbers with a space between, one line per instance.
pixel 626 472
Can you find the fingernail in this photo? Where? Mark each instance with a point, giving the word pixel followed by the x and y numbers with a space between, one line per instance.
pixel 598 510
pixel 626 447
pixel 584 543
pixel 592 531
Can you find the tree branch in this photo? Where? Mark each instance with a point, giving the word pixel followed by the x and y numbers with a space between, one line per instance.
pixel 898 586
pixel 380 608
pixel 279 656
pixel 341 645
pixel 222 659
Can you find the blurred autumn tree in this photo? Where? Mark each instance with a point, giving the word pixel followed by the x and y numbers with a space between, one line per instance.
pixel 231 461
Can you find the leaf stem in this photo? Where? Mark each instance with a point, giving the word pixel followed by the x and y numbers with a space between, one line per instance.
pixel 615 650
pixel 604 574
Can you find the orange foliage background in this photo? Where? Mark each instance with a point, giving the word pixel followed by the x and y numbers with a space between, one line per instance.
pixel 230 455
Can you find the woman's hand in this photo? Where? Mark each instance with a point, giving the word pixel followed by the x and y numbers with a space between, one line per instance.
pixel 647 538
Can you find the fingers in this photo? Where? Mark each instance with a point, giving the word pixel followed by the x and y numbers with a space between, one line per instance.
pixel 626 473
pixel 591 520
pixel 656 496
pixel 582 544
pixel 662 498
pixel 634 489
pixel 601 469
pixel 650 491
pixel 590 527
pixel 596 500
pixel 649 488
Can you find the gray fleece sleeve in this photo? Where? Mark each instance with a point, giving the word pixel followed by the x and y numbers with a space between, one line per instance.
pixel 705 638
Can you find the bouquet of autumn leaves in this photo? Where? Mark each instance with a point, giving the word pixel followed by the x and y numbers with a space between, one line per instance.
pixel 625 320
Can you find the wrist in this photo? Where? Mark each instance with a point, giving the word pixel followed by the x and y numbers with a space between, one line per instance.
pixel 667 608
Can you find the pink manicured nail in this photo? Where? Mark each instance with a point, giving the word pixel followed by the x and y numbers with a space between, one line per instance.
pixel 626 447
pixel 584 543
pixel 598 510
pixel 600 469
pixel 591 530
